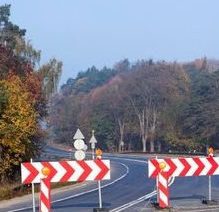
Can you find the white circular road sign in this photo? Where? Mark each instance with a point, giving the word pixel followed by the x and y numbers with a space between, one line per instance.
pixel 79 144
pixel 79 155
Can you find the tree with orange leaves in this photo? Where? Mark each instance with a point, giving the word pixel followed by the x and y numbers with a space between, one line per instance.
pixel 18 122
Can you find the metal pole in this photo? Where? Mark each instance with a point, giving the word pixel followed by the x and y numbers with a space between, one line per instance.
pixel 70 155
pixel 100 197
pixel 31 160
pixel 93 139
pixel 209 188
pixel 93 155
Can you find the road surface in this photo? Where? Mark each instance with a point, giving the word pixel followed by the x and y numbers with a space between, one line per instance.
pixel 129 190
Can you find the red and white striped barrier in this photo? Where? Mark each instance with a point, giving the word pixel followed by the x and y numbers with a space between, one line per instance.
pixel 45 195
pixel 179 167
pixel 66 171
pixel 62 171
pixel 182 167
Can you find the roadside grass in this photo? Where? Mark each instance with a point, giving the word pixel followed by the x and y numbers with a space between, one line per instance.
pixel 16 189
pixel 11 190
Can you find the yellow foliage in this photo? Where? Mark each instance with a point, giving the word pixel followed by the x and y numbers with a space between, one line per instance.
pixel 17 123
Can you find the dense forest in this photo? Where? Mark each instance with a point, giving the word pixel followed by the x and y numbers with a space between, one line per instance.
pixel 25 88
pixel 149 106
pixel 142 106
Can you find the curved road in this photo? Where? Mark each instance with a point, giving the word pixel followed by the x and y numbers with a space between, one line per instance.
pixel 129 189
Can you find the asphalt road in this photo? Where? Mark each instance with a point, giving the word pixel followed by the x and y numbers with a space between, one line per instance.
pixel 129 190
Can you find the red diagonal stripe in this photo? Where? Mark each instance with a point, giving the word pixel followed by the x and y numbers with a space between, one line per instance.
pixel 214 165
pixel 86 172
pixel 53 171
pixel 104 169
pixel 172 166
pixel 157 168
pixel 186 168
pixel 69 171
pixel 200 168
pixel 33 173
pixel 44 200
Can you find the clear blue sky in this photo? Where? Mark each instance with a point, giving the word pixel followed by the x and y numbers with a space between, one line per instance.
pixel 83 33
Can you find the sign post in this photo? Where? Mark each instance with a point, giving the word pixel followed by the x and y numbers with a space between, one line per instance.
pixel 210 154
pixel 70 154
pixel 99 153
pixel 93 141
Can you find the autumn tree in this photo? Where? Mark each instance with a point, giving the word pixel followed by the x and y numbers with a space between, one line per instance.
pixel 24 100
pixel 151 87
pixel 18 122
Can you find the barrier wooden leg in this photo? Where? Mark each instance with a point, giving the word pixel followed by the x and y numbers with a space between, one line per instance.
pixel 163 190
pixel 45 195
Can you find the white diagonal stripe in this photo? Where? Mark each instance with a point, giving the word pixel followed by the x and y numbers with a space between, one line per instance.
pixel 207 166
pixel 24 173
pixel 151 168
pixel 95 170
pixel 78 171
pixel 107 176
pixel 60 171
pixel 179 167
pixel 193 165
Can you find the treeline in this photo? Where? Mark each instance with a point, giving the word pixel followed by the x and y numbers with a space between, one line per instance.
pixel 25 87
pixel 142 106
